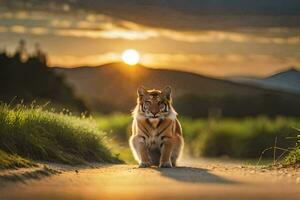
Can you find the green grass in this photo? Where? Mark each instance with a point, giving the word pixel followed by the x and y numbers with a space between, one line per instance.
pixel 244 138
pixel 293 157
pixel 122 150
pixel 117 126
pixel 30 133
pixel 234 138
pixel 35 134
pixel 8 161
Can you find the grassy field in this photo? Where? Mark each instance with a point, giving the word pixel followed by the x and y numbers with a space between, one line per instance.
pixel 235 138
pixel 32 134
pixel 243 138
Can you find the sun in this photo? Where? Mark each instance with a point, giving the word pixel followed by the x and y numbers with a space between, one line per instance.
pixel 131 57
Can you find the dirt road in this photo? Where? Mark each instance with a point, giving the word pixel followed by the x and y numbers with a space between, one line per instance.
pixel 194 180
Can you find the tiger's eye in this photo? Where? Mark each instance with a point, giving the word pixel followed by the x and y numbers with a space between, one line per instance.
pixel 146 105
pixel 162 106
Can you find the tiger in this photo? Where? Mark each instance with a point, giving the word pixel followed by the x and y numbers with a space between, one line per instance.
pixel 156 138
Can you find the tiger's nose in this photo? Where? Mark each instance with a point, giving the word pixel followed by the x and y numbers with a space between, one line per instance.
pixel 154 109
pixel 154 112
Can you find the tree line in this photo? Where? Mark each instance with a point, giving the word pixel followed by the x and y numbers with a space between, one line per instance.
pixel 26 77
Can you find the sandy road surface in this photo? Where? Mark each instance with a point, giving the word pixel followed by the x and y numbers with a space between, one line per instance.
pixel 194 180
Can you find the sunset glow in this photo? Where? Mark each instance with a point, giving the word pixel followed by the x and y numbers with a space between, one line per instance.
pixel 237 46
pixel 131 57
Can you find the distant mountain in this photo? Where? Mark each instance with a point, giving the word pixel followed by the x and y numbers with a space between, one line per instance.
pixel 288 81
pixel 112 87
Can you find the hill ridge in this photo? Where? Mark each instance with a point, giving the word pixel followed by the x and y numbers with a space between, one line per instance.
pixel 112 87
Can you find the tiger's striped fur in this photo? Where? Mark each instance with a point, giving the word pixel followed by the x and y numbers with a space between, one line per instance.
pixel 156 133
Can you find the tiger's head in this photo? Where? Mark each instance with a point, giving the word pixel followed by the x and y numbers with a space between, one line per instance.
pixel 154 104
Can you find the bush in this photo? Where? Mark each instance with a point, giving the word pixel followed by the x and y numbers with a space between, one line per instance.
pixel 244 138
pixel 293 157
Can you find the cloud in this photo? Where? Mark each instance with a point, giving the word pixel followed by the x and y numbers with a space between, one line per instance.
pixel 130 34
pixel 39 30
pixel 23 29
pixel 3 29
pixel 110 34
pixel 60 23
pixel 106 27
pixel 18 29
pixel 75 61
pixel 209 51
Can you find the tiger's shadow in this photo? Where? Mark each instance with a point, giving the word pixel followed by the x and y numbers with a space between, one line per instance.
pixel 193 175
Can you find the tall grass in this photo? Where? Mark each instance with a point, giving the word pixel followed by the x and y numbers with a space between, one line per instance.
pixel 36 134
pixel 8 161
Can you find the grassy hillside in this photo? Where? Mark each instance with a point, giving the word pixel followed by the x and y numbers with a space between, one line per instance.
pixel 34 134
pixel 112 88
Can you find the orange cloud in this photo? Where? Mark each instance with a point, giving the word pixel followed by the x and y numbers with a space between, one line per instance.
pixel 106 27
pixel 75 61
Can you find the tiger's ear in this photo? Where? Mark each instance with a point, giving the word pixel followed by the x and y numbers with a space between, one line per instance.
pixel 141 91
pixel 167 92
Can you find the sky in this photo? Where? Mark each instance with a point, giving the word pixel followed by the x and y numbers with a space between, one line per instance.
pixel 210 37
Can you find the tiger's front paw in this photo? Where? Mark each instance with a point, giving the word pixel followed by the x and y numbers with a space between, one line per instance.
pixel 167 164
pixel 144 164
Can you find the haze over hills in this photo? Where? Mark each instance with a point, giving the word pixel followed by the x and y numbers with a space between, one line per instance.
pixel 112 87
pixel 288 81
